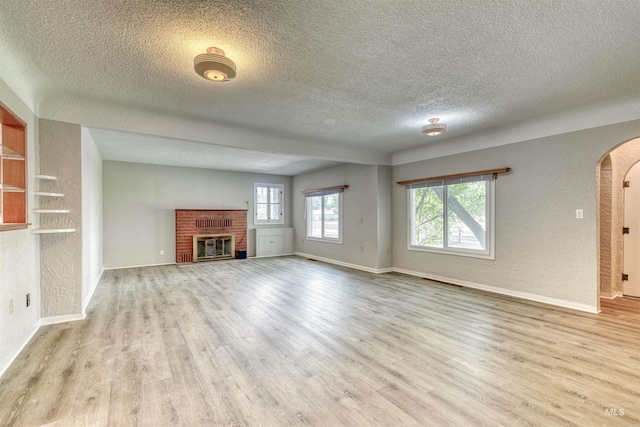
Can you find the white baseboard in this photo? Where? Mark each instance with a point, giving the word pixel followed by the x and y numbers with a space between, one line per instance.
pixel 50 321
pixel 270 256
pixel 53 320
pixel 137 266
pixel 7 362
pixel 87 298
pixel 614 296
pixel 524 295
pixel 345 264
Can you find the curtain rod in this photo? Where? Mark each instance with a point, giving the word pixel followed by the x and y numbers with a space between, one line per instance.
pixel 337 187
pixel 495 173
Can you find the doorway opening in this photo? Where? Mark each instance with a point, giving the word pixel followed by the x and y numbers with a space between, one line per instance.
pixel 631 233
pixel 611 173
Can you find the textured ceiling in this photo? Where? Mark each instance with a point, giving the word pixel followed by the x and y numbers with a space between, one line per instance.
pixel 365 74
pixel 140 148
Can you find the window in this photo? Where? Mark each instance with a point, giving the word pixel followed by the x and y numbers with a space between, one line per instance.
pixel 453 216
pixel 324 215
pixel 269 203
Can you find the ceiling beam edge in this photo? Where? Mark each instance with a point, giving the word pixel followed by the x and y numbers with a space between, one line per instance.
pixel 90 113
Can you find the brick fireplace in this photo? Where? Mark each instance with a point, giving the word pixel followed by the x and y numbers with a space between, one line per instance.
pixel 192 222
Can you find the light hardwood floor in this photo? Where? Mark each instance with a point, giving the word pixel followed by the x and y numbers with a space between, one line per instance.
pixel 282 341
pixel 621 307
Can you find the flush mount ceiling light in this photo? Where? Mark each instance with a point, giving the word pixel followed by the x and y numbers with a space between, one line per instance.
pixel 434 129
pixel 214 66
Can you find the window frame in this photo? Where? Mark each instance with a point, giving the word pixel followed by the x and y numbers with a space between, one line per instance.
pixel 309 219
pixel 268 221
pixel 487 253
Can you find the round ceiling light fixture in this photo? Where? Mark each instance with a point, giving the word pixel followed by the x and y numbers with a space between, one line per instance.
pixel 214 66
pixel 434 129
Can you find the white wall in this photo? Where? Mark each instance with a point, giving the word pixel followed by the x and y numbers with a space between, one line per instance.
pixel 362 240
pixel 92 240
pixel 19 253
pixel 542 251
pixel 140 202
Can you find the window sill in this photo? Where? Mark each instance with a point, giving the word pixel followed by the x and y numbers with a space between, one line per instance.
pixel 269 223
pixel 456 252
pixel 317 239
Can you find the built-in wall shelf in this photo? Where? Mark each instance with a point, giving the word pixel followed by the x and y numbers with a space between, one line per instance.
pixel 47 177
pixel 51 211
pixel 42 193
pixel 54 231
pixel 6 188
pixel 13 171
pixel 9 154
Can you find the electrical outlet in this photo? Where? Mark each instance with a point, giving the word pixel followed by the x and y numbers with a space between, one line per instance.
pixel 579 214
pixel 11 306
pixel 162 252
pixel 28 300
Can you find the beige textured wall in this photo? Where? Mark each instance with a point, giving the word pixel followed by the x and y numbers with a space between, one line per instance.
pixel 61 254
pixel 19 258
pixel 365 217
pixel 606 189
pixel 541 248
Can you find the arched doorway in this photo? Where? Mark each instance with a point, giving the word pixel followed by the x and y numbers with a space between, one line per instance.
pixel 611 172
pixel 631 232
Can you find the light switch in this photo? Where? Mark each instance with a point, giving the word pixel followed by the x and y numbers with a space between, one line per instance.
pixel 579 214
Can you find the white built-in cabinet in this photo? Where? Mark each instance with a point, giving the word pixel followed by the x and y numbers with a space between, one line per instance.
pixel 274 241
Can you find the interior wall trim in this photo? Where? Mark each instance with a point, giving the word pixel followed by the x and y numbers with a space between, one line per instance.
pixel 94 286
pixel 271 256
pixel 345 264
pixel 8 361
pixel 136 266
pixel 493 289
pixel 54 320
pixel 611 296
